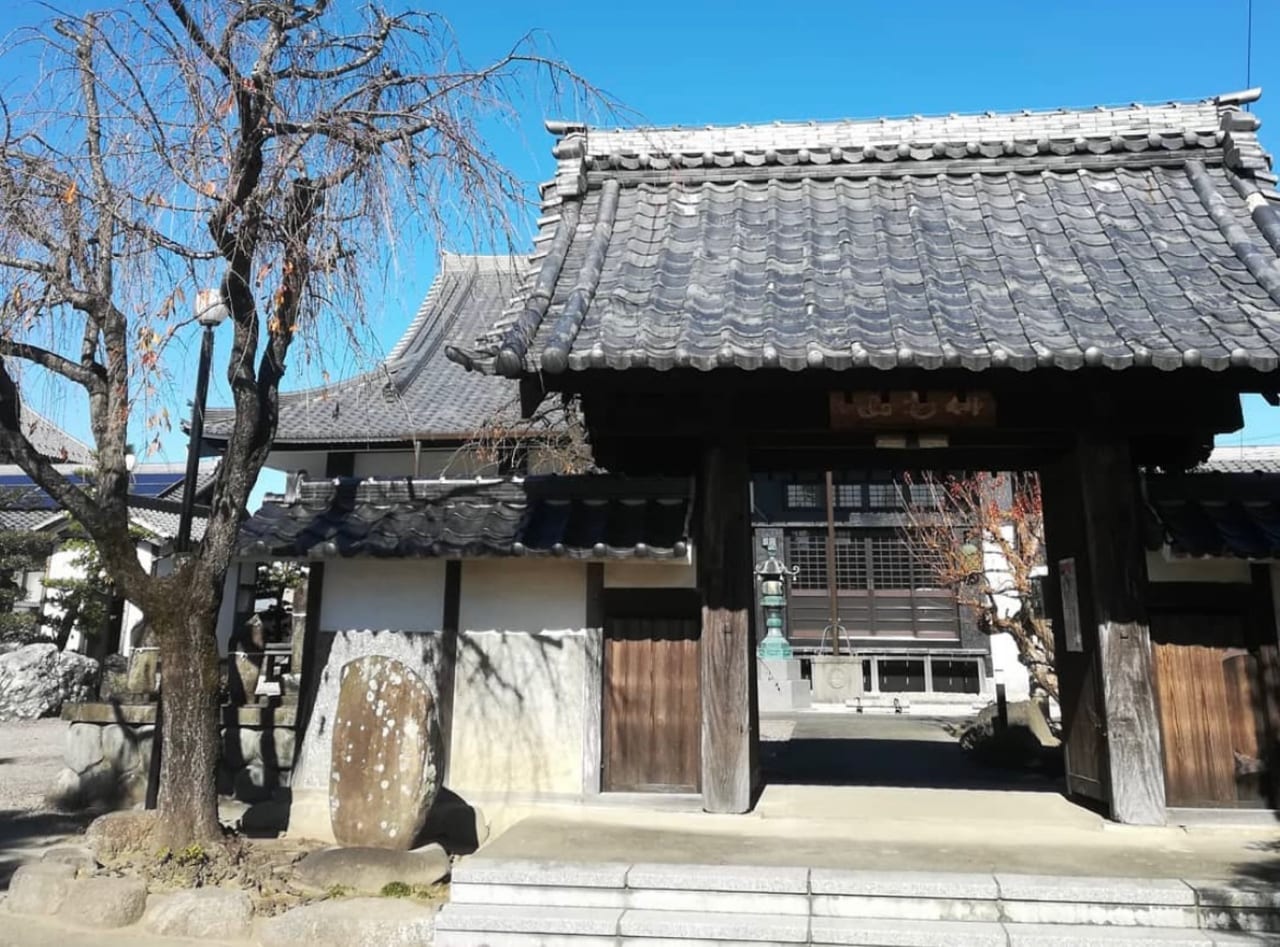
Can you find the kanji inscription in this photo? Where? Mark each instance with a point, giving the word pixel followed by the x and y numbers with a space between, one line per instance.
pixel 935 410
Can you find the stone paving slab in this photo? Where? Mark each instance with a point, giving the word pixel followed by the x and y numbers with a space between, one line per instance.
pixel 719 878
pixel 516 871
pixel 894 932
pixel 543 920
pixel 688 926
pixel 1070 935
pixel 903 884
pixel 1094 890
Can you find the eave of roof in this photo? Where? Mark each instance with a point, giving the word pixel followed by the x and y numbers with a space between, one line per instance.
pixel 1134 236
pixel 415 395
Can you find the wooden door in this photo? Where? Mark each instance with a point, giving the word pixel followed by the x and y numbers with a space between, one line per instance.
pixel 1212 718
pixel 652 705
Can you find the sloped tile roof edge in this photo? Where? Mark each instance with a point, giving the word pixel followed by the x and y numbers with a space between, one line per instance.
pixel 1212 123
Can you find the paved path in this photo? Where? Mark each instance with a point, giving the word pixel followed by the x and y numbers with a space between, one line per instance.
pixel 30 756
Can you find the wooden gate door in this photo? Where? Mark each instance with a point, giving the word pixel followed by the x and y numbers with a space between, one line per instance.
pixel 652 706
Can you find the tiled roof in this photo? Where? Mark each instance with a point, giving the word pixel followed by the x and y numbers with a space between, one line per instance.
pixel 416 393
pixel 52 441
pixel 1227 506
pixel 583 517
pixel 1245 459
pixel 1104 237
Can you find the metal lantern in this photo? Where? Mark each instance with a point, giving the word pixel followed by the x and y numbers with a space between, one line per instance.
pixel 773 576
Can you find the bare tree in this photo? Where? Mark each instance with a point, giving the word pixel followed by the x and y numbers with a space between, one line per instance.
pixel 984 534
pixel 277 149
pixel 551 440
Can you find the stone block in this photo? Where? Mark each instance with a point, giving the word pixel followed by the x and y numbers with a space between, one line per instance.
pixel 719 878
pixel 127 748
pixel 354 922
pixel 1068 935
pixel 254 783
pixel 368 869
pixel 548 896
pixel 386 754
pixel 246 742
pixel 484 939
pixel 1236 894
pixel 692 926
pixel 901 932
pixel 731 902
pixel 84 746
pixel 208 913
pixel 77 856
pixel 908 908
pixel 104 902
pixel 903 884
pixel 283 743
pixel 1100 913
pixel 519 871
pixel 1167 891
pixel 531 919
pixel 40 887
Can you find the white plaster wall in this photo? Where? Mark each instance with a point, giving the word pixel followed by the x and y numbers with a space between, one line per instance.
pixel 518 720
pixel 1161 568
pixel 396 594
pixel 518 724
pixel 1006 669
pixel 523 595
pixel 62 565
pixel 431 463
pixel 132 614
pixel 650 575
pixel 227 610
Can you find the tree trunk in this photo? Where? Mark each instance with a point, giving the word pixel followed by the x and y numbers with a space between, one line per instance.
pixel 188 799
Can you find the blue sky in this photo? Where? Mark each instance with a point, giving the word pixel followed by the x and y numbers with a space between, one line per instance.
pixel 703 63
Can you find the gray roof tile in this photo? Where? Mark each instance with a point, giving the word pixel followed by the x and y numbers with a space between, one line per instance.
pixel 416 393
pixel 1106 237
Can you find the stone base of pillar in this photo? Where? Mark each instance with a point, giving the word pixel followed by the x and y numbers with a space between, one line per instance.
pixel 779 686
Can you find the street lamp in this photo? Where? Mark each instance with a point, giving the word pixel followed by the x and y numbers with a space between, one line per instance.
pixel 211 312
pixel 774 575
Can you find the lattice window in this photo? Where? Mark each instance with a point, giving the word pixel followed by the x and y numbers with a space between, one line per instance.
pixel 805 496
pixel 849 496
pixel 807 551
pixel 891 563
pixel 884 496
pixel 851 561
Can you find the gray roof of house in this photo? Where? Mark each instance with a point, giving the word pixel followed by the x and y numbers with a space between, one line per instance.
pixel 1142 235
pixel 416 393
pixel 1243 459
pixel 578 517
pixel 52 441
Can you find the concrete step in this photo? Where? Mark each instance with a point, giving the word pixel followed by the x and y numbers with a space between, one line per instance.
pixel 526 902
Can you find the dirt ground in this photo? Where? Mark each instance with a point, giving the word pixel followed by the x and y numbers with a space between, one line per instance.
pixel 30 757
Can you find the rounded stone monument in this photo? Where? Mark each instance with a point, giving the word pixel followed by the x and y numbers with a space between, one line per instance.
pixel 386 755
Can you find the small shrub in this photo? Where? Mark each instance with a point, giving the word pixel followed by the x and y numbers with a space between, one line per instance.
pixel 339 891
pixel 396 889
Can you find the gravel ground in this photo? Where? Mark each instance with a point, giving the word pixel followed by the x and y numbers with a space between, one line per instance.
pixel 30 756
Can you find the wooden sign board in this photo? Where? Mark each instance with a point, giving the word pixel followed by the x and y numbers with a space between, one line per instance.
pixel 1070 586
pixel 910 410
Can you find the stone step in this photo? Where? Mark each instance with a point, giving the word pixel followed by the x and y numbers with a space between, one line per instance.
pixel 533 926
pixel 794 892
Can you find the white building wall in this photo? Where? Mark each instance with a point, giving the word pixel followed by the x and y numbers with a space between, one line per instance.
pixel 1161 568
pixel 650 575
pixel 394 594
pixel 1006 669
pixel 62 565
pixel 519 693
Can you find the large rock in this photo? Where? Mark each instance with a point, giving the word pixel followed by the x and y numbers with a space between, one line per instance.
pixel 369 869
pixel 206 913
pixel 385 769
pixel 118 832
pixel 357 922
pixel 104 902
pixel 84 746
pixel 40 888
pixel 36 679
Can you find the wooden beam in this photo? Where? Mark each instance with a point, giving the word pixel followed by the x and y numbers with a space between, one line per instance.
pixel 1117 580
pixel 727 664
pixel 449 654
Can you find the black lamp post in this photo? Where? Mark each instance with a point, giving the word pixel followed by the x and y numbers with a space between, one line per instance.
pixel 211 312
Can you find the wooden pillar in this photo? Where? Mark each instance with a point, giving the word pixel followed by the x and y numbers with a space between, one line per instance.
pixel 449 655
pixel 727 663
pixel 593 683
pixel 1117 580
